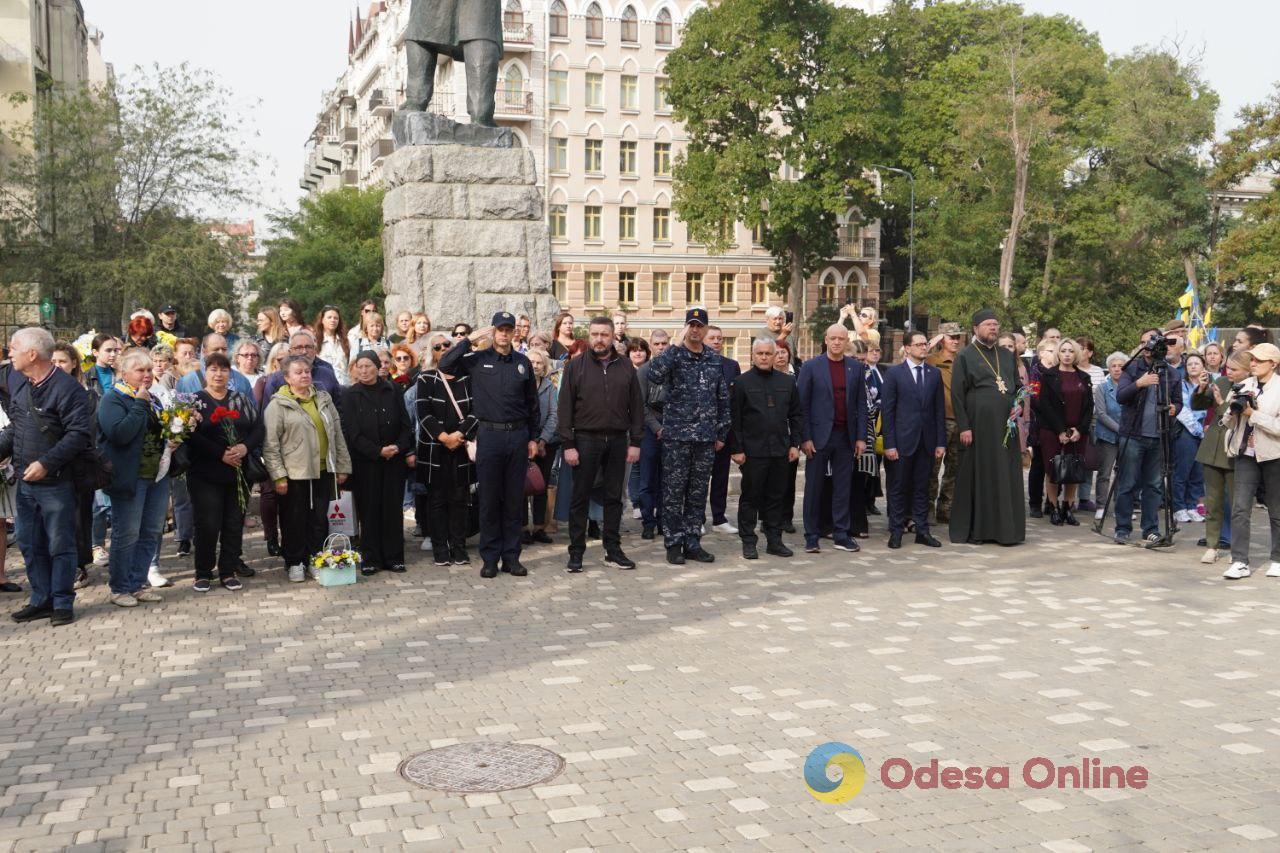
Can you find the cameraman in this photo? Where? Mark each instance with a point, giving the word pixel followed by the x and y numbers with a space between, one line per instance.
pixel 1140 459
pixel 1253 438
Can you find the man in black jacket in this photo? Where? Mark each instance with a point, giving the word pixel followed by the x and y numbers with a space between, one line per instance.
pixel 50 417
pixel 601 417
pixel 766 434
pixel 655 398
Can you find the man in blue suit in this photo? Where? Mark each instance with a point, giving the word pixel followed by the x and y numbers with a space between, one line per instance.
pixel 834 398
pixel 915 434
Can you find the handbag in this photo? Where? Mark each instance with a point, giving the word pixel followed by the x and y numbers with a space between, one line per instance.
pixel 254 468
pixel 534 484
pixel 471 445
pixel 1066 469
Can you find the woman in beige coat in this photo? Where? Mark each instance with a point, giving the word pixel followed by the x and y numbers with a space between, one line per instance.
pixel 307 458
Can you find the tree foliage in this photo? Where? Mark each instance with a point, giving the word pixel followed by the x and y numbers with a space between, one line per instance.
pixel 105 192
pixel 329 251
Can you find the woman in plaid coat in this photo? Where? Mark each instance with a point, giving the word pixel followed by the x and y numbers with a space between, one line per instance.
pixel 445 424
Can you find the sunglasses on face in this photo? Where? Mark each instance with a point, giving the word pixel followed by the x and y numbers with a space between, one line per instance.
pixel 439 347
pixel 403 358
pixel 459 334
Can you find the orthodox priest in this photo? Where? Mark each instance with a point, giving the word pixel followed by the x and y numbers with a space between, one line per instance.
pixel 469 31
pixel 988 505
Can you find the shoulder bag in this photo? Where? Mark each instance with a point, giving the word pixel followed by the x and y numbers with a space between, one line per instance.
pixel 471 445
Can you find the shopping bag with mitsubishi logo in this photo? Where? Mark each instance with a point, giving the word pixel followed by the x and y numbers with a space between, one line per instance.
pixel 342 516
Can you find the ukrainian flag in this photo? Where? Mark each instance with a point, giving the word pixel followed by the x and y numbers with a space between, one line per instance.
pixel 1200 329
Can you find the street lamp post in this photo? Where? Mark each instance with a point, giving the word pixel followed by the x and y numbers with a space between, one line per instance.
pixel 911 244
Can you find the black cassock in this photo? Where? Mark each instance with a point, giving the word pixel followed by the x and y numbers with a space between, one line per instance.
pixel 374 416
pixel 988 504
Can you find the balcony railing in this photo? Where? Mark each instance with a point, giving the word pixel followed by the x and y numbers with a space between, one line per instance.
pixel 517 33
pixel 350 137
pixel 514 103
pixel 856 247
pixel 379 104
pixel 381 150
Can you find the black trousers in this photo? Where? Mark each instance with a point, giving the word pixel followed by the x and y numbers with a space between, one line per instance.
pixel 909 490
pixel 1035 480
pixel 720 485
pixel 304 518
pixel 218 520
pixel 450 513
pixel 378 489
pixel 502 457
pixel 606 456
pixel 764 496
pixel 789 510
pixel 422 513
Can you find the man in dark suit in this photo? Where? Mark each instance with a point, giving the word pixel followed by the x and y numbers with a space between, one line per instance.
pixel 720 468
pixel 915 434
pixel 834 399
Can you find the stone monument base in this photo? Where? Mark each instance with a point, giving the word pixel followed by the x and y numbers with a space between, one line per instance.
pixel 416 128
pixel 464 235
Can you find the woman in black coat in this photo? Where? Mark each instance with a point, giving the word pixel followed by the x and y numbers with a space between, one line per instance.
pixel 445 423
pixel 1064 410
pixel 380 438
pixel 230 429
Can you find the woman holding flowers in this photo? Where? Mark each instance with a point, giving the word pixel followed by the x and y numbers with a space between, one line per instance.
pixel 229 431
pixel 133 434
pixel 307 458
pixel 380 439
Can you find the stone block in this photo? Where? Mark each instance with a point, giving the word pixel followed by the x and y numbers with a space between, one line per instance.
pixel 458 164
pixel 408 166
pixel 460 238
pixel 408 237
pixel 500 275
pixel 538 256
pixel 498 201
pixel 448 289
pixel 425 201
pixel 488 304
pixel 409 127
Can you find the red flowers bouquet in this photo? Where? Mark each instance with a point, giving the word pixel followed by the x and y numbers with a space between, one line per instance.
pixel 226 418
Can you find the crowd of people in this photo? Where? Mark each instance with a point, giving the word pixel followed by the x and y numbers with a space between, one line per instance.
pixel 152 430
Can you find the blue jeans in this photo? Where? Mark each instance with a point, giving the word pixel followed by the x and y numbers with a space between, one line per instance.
pixel 184 514
pixel 650 467
pixel 46 525
pixel 137 523
pixel 1139 471
pixel 101 515
pixel 1188 476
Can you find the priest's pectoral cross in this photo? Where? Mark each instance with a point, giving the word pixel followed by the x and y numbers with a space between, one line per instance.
pixel 1004 389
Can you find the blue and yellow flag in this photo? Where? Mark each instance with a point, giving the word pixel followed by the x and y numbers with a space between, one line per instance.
pixel 1200 329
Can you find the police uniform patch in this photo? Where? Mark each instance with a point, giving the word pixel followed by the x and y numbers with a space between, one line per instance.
pixel 520 367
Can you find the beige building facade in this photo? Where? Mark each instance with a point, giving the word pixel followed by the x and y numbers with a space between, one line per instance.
pixel 583 84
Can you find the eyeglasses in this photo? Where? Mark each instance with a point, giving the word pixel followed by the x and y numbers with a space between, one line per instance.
pixel 404 358
pixel 459 334
pixel 439 347
pixel 247 355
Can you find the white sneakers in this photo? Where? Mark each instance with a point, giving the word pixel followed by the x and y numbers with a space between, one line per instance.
pixel 123 599
pixel 1210 557
pixel 1273 571
pixel 635 512
pixel 156 579
pixel 1237 571
pixel 297 574
pixel 725 527
pixel 1188 516
pixel 100 556
pixel 148 596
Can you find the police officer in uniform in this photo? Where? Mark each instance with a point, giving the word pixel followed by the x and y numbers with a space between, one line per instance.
pixel 695 424
pixel 504 398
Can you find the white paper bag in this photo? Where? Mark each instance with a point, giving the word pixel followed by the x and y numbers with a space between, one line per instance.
pixel 342 515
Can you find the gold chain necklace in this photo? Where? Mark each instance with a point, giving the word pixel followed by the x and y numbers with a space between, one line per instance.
pixel 1004 389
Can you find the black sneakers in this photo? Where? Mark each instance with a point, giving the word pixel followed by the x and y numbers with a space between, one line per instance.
pixel 619 560
pixel 675 555
pixel 777 549
pixel 489 570
pixel 575 563
pixel 749 551
pixel 701 556
pixel 515 568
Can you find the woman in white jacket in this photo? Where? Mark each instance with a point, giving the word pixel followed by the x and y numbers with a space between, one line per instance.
pixel 1253 439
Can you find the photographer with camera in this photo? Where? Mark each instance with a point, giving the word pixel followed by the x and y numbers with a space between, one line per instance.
pixel 1144 451
pixel 1253 439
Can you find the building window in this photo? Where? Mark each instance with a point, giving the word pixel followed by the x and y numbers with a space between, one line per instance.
pixel 759 288
pixel 661 94
pixel 627 157
pixel 827 292
pixel 662 288
pixel 594 287
pixel 513 86
pixel 662 159
pixel 661 224
pixel 559 154
pixel 630 28
pixel 729 349
pixel 559 21
pixel 595 89
pixel 868 247
pixel 627 288
pixel 558 88
pixel 558 215
pixel 626 223
pixel 560 286
pixel 513 16
pixel 757 234
pixel 662 28
pixel 594 155
pixel 591 222
pixel 595 23
pixel 629 92
pixel 728 286
pixel 693 288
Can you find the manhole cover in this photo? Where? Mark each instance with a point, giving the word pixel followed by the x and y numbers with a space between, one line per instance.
pixel 482 768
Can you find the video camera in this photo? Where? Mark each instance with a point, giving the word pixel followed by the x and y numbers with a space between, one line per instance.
pixel 1241 399
pixel 1158 346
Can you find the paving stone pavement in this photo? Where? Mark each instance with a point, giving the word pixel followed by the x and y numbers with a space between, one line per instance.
pixel 684 701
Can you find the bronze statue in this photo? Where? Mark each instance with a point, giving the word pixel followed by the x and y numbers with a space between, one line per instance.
pixel 469 31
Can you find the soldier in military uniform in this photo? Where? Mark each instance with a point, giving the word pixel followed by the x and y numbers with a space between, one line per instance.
pixel 695 424
pixel 943 349
pixel 504 398
pixel 469 31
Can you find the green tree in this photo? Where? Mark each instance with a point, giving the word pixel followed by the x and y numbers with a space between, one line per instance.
pixel 103 195
pixel 775 139
pixel 329 251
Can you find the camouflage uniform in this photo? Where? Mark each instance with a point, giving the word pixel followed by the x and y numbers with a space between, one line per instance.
pixel 940 496
pixel 695 417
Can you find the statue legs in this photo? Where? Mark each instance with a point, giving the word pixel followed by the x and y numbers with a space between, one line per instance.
pixel 481 57
pixel 421 84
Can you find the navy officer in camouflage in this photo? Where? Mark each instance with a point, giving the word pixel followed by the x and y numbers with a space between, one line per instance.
pixel 695 424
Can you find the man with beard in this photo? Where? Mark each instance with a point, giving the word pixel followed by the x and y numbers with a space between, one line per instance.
pixel 984 384
pixel 601 417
